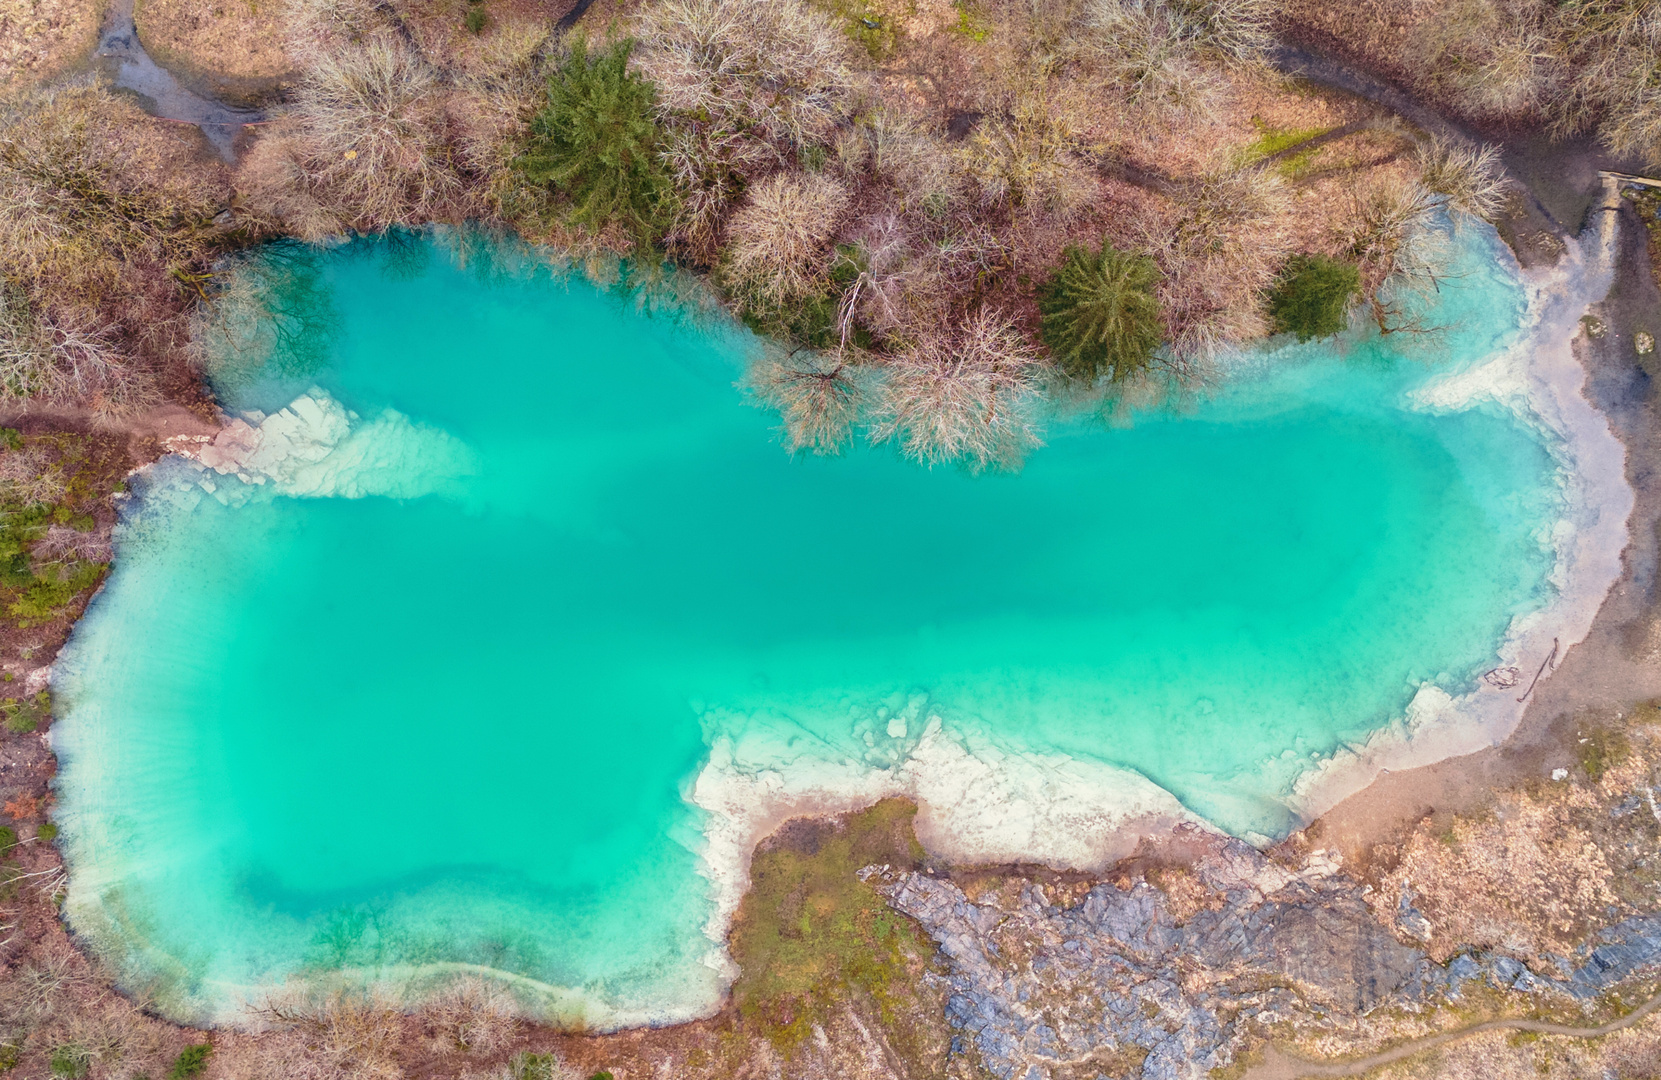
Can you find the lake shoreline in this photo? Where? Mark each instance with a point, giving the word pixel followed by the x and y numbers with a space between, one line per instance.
pixel 1609 665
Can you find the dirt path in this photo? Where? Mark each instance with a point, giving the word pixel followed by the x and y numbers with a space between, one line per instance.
pixel 1279 1066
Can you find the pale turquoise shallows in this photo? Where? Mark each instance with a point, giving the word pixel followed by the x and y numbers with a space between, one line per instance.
pixel 456 726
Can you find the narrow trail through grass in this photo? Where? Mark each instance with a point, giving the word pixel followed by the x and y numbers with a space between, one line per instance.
pixel 1280 1066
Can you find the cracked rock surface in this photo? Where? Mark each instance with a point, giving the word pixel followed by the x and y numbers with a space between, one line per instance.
pixel 1101 980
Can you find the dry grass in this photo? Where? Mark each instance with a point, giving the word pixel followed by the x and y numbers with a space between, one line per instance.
pixel 1527 880
pixel 40 38
pixel 966 395
pixel 101 223
pixel 222 40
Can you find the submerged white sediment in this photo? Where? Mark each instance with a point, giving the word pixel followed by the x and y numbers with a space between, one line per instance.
pixel 784 737
pixel 1542 378
pixel 317 448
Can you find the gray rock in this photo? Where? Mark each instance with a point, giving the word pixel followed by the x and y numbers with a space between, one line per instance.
pixel 1036 987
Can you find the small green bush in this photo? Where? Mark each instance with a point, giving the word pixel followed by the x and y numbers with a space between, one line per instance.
pixel 601 1075
pixel 1100 315
pixel 10 1054
pixel 22 717
pixel 528 1066
pixel 192 1061
pixel 1312 298
pixel 8 838
pixel 596 142
pixel 476 19
pixel 11 438
pixel 70 1062
pixel 46 833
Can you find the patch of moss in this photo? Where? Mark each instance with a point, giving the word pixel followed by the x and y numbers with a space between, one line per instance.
pixel 811 938
pixel 23 715
pixel 1601 749
pixel 70 1062
pixel 872 23
pixel 971 24
pixel 192 1061
pixel 1272 140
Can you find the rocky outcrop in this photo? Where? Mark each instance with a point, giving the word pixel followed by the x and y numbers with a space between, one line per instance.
pixel 1048 990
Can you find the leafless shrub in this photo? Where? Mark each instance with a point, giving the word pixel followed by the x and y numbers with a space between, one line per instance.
pixel 1166 55
pixel 1140 48
pixel 1468 178
pixel 916 161
pixel 778 239
pixel 64 358
pixel 28 476
pixel 88 227
pixel 1225 248
pixel 913 273
pixel 472 1015
pixel 742 84
pixel 495 93
pixel 63 544
pixel 355 1035
pixel 777 67
pixel 1490 56
pixel 710 167
pixel 1022 158
pixel 818 397
pixel 277 189
pixel 1396 244
pixel 1604 65
pixel 367 141
pixel 965 395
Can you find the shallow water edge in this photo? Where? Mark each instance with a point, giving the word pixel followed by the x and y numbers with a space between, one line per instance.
pixel 982 805
pixel 1011 810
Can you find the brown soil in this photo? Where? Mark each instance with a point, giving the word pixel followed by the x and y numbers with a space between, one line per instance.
pixel 1620 661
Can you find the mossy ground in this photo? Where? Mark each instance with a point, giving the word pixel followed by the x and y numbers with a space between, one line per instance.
pixel 812 938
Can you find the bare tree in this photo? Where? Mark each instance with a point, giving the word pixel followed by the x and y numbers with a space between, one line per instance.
pixel 967 395
pixel 1224 249
pixel 819 396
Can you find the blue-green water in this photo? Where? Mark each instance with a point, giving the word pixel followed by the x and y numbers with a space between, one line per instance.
pixel 446 708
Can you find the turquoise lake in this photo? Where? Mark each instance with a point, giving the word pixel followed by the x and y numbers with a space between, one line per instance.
pixel 438 705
